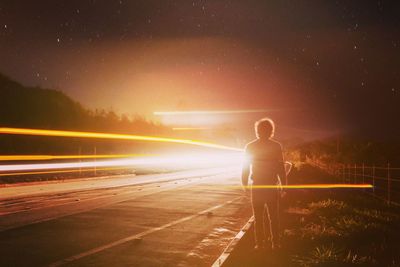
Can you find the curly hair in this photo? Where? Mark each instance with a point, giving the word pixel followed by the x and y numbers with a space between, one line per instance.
pixel 264 128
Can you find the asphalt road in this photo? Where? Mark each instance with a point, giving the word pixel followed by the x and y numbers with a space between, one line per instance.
pixel 176 219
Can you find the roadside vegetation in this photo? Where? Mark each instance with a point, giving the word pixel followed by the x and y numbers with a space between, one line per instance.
pixel 331 227
pixel 340 227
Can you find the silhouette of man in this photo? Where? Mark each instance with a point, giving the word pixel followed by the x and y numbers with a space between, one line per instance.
pixel 265 166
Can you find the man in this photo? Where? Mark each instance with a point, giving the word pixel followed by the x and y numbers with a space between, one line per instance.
pixel 265 166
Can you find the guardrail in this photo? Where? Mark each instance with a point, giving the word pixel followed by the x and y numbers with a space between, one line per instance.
pixel 385 179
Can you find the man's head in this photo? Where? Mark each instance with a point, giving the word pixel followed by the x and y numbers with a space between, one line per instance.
pixel 265 128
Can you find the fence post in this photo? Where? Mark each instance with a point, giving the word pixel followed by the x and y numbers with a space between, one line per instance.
pixel 355 173
pixel 389 182
pixel 363 172
pixel 373 179
pixel 344 174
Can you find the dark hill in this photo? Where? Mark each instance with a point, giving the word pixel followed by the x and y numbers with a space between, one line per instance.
pixel 35 107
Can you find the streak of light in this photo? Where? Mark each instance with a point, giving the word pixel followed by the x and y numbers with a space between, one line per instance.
pixel 190 128
pixel 202 112
pixel 54 157
pixel 59 133
pixel 64 171
pixel 192 160
pixel 306 186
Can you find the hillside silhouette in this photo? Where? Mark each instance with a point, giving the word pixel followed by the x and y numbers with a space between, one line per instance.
pixel 33 107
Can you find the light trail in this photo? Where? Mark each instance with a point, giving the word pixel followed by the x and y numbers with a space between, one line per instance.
pixel 202 112
pixel 60 133
pixel 64 171
pixel 55 157
pixel 306 186
pixel 188 159
pixel 52 166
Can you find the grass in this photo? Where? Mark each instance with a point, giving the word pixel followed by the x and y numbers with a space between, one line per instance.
pixel 340 228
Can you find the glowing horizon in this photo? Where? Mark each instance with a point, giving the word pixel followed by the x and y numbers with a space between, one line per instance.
pixel 190 128
pixel 202 112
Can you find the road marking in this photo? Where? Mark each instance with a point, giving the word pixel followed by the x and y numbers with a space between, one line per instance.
pixel 71 200
pixel 137 236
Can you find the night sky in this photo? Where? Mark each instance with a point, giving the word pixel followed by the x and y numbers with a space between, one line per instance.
pixel 319 66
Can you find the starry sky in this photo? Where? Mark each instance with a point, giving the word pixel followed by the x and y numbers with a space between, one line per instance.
pixel 314 66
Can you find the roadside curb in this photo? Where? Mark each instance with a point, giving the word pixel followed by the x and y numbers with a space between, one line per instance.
pixel 237 242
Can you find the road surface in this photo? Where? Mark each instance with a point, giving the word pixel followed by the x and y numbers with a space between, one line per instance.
pixel 178 219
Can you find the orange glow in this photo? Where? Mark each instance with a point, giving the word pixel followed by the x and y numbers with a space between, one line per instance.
pixel 189 128
pixel 307 186
pixel 202 112
pixel 59 133
pixel 54 157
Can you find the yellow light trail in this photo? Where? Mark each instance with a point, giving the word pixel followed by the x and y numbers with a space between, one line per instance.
pixel 306 186
pixel 64 171
pixel 60 133
pixel 55 157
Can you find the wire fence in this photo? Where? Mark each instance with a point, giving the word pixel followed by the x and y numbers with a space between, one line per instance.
pixel 384 179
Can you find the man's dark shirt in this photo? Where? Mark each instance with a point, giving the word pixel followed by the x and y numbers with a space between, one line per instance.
pixel 265 160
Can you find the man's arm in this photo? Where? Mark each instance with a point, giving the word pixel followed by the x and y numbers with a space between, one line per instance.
pixel 281 168
pixel 246 168
pixel 245 173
